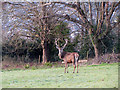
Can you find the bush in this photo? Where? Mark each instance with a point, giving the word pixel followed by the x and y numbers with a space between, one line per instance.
pixel 48 64
pixel 27 66
pixel 34 68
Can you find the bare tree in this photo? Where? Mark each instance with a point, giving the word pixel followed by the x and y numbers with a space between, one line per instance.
pixel 27 19
pixel 38 19
pixel 96 17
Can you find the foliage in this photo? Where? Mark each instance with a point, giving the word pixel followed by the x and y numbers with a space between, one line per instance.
pixel 27 50
pixel 62 30
pixel 108 44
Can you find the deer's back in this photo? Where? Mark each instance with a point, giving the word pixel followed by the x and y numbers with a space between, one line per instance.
pixel 69 56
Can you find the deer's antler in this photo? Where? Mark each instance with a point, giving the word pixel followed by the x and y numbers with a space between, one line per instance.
pixel 56 40
pixel 66 41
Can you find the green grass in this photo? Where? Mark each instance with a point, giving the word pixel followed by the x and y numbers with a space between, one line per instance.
pixel 100 76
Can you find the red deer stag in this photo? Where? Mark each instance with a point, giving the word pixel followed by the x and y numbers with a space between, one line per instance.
pixel 67 56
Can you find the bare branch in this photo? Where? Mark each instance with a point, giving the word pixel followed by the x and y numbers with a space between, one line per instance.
pixel 74 6
pixel 90 11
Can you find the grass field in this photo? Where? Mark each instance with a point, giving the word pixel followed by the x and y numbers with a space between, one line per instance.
pixel 94 76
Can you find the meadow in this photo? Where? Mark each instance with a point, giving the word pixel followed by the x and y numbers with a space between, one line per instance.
pixel 92 76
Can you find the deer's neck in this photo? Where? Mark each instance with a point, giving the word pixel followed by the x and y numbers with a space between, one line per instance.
pixel 61 55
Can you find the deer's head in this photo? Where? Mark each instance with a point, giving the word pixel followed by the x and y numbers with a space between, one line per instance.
pixel 60 48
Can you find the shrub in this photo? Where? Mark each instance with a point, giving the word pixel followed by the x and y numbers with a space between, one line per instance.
pixel 26 66
pixel 48 64
pixel 34 68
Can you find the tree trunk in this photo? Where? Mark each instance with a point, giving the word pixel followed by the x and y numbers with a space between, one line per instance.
pixel 94 43
pixel 44 56
pixel 39 59
pixel 44 47
pixel 96 51
pixel 96 54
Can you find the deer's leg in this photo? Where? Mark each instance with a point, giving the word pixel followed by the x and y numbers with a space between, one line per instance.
pixel 77 66
pixel 76 62
pixel 65 67
pixel 74 67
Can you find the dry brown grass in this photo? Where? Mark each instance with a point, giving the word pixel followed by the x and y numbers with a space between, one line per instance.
pixel 9 64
